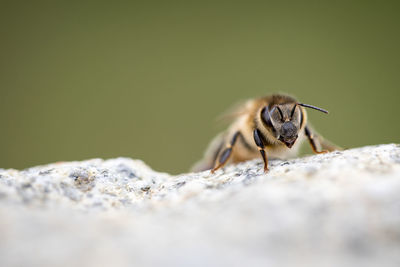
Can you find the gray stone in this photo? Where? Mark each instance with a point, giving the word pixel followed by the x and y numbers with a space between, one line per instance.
pixel 336 209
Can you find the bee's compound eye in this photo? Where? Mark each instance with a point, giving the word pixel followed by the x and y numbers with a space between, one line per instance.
pixel 266 117
pixel 267 120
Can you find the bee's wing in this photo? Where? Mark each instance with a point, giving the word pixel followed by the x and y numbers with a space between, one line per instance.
pixel 235 111
pixel 324 143
pixel 328 145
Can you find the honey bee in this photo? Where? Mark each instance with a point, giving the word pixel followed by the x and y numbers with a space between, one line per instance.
pixel 272 126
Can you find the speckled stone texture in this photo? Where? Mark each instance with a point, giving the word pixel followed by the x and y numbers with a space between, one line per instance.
pixel 336 209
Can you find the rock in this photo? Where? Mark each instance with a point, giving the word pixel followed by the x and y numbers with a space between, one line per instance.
pixel 336 209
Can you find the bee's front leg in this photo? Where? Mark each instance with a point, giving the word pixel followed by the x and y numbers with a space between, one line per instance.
pixel 258 138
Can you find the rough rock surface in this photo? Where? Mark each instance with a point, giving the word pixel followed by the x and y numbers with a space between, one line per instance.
pixel 336 209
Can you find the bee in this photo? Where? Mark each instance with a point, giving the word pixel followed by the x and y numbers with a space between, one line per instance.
pixel 271 127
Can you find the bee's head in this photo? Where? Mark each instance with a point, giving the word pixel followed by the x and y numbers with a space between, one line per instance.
pixel 285 120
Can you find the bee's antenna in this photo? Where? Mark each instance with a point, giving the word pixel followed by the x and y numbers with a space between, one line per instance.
pixel 313 107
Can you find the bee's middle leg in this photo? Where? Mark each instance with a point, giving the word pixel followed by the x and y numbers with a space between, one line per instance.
pixel 226 153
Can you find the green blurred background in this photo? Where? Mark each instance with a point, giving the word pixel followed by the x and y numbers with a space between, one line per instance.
pixel 147 80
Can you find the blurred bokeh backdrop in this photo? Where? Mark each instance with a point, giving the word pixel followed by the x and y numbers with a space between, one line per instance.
pixel 147 80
